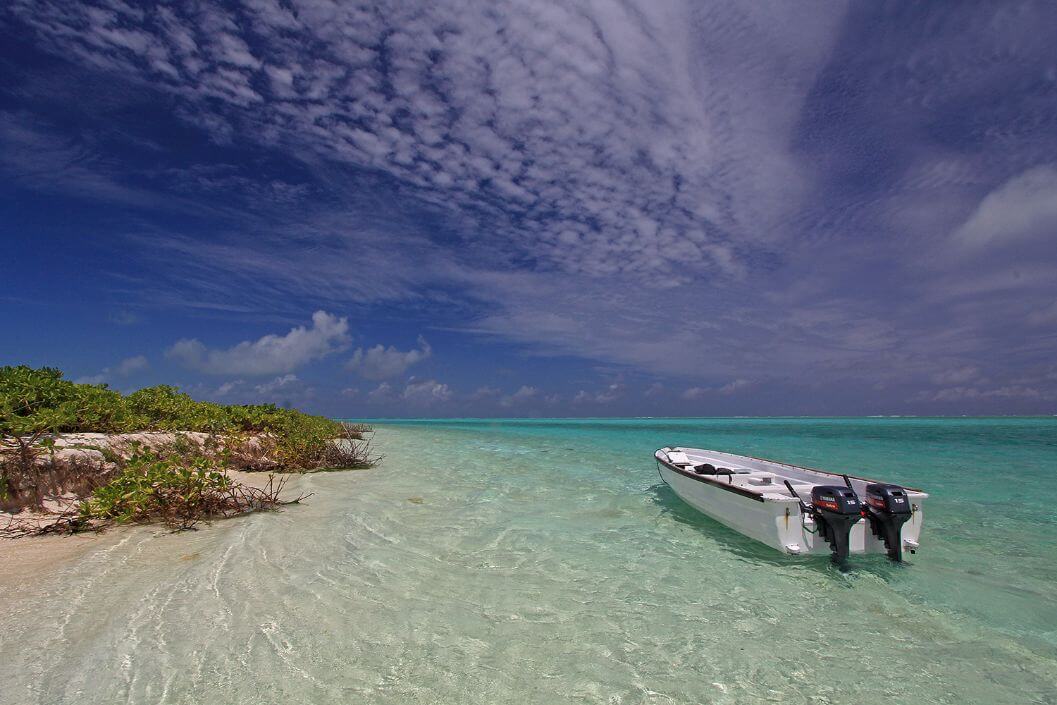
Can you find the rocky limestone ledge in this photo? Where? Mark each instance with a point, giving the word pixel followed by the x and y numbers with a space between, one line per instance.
pixel 78 462
pixel 100 449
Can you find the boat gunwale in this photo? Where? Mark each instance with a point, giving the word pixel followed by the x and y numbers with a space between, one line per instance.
pixel 824 472
pixel 767 460
pixel 710 481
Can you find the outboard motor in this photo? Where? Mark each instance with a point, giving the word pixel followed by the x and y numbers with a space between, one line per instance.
pixel 888 508
pixel 836 510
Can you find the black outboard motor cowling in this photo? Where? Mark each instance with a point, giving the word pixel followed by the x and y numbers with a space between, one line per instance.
pixel 888 508
pixel 836 510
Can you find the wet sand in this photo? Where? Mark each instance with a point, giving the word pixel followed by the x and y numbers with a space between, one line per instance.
pixel 34 557
pixel 37 557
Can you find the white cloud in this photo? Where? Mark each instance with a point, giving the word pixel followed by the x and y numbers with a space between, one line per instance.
pixel 132 365
pixel 228 387
pixel 100 378
pixel 271 354
pixel 1023 208
pixel 610 393
pixel 277 384
pixel 380 393
pixel 964 393
pixel 525 393
pixel 734 386
pixel 128 366
pixel 726 389
pixel 426 391
pixel 380 362
pixel 661 152
pixel 613 121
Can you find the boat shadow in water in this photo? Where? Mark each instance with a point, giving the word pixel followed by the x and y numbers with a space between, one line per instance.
pixel 745 548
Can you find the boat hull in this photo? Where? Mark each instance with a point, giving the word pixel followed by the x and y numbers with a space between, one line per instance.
pixel 774 520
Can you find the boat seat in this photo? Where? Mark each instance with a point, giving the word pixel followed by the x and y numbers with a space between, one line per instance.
pixel 678 457
pixel 756 479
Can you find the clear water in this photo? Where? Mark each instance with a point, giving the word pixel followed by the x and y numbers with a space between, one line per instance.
pixel 543 562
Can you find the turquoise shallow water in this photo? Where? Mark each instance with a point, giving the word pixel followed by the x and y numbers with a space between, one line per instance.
pixel 544 562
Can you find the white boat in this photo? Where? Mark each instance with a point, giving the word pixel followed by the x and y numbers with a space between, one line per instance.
pixel 800 511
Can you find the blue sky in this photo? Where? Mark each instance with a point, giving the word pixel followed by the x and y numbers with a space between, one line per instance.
pixel 558 209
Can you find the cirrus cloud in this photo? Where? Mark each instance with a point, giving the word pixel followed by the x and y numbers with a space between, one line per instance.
pixel 1023 208
pixel 689 189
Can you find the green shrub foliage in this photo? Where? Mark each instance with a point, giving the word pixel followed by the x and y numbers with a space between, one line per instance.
pixel 36 403
pixel 34 400
pixel 175 488
pixel 180 485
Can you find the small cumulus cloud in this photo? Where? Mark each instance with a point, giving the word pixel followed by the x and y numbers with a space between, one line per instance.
pixel 524 394
pixel 727 389
pixel 127 367
pixel 426 391
pixel 277 384
pixel 734 386
pixel 382 392
pixel 228 387
pixel 100 378
pixel 609 394
pixel 132 365
pixel 271 354
pixel 381 362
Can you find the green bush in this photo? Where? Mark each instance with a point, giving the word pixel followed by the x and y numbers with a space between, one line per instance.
pixel 35 403
pixel 176 489
pixel 40 399
pixel 32 401
pixel 178 486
